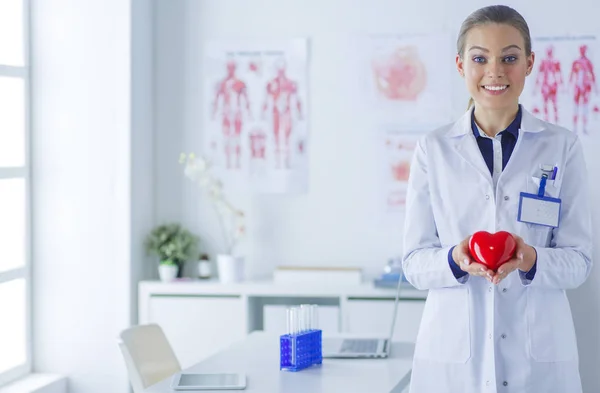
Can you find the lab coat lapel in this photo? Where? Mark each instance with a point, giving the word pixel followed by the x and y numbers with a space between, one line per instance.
pixel 530 123
pixel 522 155
pixel 465 144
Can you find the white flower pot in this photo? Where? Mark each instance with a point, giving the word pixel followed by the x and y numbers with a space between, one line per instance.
pixel 167 272
pixel 231 269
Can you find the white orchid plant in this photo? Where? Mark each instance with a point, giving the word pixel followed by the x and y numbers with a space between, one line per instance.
pixel 232 220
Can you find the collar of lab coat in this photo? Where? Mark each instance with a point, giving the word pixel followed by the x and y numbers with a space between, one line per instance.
pixel 529 123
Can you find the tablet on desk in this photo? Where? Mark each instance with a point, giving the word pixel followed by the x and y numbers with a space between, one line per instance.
pixel 194 381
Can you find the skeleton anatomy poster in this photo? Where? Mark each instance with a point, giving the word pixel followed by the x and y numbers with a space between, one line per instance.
pixel 255 127
pixel 563 86
pixel 405 81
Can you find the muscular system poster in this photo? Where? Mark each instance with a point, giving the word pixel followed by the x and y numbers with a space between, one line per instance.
pixel 255 114
pixel 563 86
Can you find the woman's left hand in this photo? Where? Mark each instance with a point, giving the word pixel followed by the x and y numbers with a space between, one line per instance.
pixel 524 259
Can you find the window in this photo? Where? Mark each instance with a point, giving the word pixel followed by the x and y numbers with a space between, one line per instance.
pixel 15 298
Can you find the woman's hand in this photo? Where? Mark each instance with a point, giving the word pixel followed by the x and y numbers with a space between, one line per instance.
pixel 462 257
pixel 524 259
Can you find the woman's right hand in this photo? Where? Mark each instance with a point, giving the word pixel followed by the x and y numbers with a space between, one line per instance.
pixel 462 257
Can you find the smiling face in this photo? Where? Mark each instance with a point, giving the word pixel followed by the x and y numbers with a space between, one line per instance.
pixel 494 65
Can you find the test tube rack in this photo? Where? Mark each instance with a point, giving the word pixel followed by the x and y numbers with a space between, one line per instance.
pixel 301 350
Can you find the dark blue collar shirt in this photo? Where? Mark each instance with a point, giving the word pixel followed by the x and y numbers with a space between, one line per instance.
pixel 496 151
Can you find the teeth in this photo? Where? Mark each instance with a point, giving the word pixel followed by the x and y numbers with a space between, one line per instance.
pixel 495 88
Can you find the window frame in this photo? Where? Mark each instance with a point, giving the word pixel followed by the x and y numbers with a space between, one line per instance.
pixel 24 172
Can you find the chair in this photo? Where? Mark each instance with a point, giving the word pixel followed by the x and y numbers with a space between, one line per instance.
pixel 148 356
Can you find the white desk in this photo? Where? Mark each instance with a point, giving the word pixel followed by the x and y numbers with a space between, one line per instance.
pixel 258 357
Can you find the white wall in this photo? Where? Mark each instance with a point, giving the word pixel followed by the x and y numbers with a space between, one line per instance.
pixel 334 223
pixel 92 199
pixel 341 202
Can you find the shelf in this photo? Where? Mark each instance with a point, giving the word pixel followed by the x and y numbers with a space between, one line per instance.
pixel 266 288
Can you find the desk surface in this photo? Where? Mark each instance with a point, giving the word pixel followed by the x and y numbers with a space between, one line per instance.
pixel 258 357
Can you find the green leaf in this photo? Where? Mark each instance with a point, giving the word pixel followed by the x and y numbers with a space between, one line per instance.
pixel 171 242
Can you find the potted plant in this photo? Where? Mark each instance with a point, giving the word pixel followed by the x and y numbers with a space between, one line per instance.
pixel 174 245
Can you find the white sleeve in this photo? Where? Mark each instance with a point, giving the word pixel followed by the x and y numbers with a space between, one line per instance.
pixel 567 262
pixel 424 261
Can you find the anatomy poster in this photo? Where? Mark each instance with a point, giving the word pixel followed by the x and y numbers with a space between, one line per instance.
pixel 255 127
pixel 397 147
pixel 405 80
pixel 563 86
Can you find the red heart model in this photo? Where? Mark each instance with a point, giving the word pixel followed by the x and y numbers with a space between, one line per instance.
pixel 492 250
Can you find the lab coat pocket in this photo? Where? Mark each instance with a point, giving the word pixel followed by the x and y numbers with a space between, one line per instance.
pixel 445 330
pixel 540 235
pixel 550 326
pixel 552 188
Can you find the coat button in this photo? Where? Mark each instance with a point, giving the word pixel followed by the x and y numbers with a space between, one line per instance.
pixel 503 336
pixel 490 289
pixel 503 289
pixel 487 197
pixel 506 198
pixel 505 383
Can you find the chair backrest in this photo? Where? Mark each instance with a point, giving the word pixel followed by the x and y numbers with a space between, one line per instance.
pixel 148 356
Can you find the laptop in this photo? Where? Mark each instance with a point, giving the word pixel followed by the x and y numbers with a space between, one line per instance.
pixel 362 348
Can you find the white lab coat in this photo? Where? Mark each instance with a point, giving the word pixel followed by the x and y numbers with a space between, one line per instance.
pixel 517 336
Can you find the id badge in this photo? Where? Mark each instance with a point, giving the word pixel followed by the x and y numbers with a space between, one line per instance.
pixel 539 209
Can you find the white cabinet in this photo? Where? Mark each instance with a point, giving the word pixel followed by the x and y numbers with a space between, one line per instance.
pixel 198 326
pixel 374 316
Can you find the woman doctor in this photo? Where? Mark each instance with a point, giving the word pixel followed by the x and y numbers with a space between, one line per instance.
pixel 510 330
